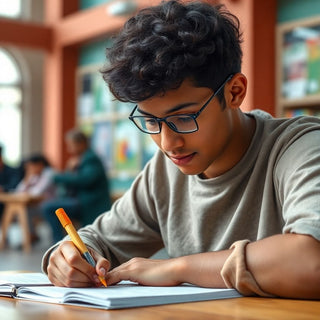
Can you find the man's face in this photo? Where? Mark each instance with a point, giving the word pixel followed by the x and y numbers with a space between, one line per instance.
pixel 206 151
pixel 34 168
pixel 75 148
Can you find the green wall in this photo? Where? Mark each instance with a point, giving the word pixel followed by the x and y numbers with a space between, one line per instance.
pixel 93 53
pixel 86 4
pixel 289 10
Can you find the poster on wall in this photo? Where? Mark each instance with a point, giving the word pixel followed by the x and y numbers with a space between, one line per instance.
pixel 123 109
pixel 313 45
pixel 101 142
pixel 149 148
pixel 102 96
pixel 301 62
pixel 295 56
pixel 86 97
pixel 126 146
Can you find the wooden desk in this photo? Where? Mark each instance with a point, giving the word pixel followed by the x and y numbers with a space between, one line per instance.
pixel 239 309
pixel 16 208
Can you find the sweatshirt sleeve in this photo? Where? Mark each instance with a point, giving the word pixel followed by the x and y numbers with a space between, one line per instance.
pixel 297 175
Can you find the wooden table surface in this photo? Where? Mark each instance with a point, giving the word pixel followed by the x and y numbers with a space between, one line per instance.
pixel 239 308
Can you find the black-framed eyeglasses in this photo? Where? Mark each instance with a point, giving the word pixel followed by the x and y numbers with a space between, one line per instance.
pixel 181 123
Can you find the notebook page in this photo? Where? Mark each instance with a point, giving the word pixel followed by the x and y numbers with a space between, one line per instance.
pixel 24 279
pixel 124 295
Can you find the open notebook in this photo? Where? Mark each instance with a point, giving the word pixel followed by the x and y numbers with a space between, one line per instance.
pixel 9 283
pixel 123 295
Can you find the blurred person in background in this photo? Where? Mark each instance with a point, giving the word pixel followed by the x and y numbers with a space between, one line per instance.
pixel 38 184
pixel 82 189
pixel 9 177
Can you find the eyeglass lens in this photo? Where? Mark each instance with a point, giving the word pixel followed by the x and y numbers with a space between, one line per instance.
pixel 183 123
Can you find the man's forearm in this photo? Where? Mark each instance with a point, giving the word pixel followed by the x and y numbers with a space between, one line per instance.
pixel 204 269
pixel 286 265
pixel 282 265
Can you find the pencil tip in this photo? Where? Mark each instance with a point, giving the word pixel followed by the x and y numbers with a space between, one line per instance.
pixel 103 281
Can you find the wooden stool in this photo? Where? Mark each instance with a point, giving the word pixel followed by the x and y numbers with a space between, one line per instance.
pixel 16 208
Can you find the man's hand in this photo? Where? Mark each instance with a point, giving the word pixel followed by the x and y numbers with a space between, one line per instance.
pixel 67 267
pixel 148 272
pixel 73 163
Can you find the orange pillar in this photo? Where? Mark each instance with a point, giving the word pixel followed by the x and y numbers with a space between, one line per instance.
pixel 264 72
pixel 258 21
pixel 59 86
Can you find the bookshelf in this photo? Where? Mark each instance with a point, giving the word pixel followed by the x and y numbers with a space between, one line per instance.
pixel 298 68
pixel 124 150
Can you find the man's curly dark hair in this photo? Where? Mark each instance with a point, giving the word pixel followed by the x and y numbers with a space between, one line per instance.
pixel 163 45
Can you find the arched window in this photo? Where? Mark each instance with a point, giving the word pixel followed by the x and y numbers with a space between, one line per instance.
pixel 11 8
pixel 10 108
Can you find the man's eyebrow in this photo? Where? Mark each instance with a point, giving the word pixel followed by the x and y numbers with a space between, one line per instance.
pixel 174 109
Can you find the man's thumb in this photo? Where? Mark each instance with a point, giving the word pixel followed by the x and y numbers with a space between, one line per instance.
pixel 102 265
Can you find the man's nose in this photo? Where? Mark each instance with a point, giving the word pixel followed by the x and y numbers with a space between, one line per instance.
pixel 170 140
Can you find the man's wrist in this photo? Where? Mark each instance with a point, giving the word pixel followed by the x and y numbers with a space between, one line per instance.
pixel 183 269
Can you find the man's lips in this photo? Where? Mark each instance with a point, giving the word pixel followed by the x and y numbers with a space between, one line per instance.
pixel 181 160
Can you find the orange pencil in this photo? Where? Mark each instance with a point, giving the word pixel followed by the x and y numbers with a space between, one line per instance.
pixel 67 224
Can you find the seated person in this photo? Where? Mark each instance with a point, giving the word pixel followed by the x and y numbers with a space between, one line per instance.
pixel 37 180
pixel 37 183
pixel 9 177
pixel 82 189
pixel 233 196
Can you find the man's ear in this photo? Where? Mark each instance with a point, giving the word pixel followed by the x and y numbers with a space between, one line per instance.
pixel 236 90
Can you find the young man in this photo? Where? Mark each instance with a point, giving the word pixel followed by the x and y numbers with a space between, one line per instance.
pixel 233 197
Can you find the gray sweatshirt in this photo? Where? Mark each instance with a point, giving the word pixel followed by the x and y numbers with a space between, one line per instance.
pixel 273 189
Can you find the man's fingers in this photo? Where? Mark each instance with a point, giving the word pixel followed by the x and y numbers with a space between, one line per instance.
pixel 145 272
pixel 102 264
pixel 75 259
pixel 114 276
pixel 129 270
pixel 68 268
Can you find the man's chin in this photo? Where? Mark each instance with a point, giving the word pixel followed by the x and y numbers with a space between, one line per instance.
pixel 190 171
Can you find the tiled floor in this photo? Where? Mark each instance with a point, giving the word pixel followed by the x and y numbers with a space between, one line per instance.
pixel 14 258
